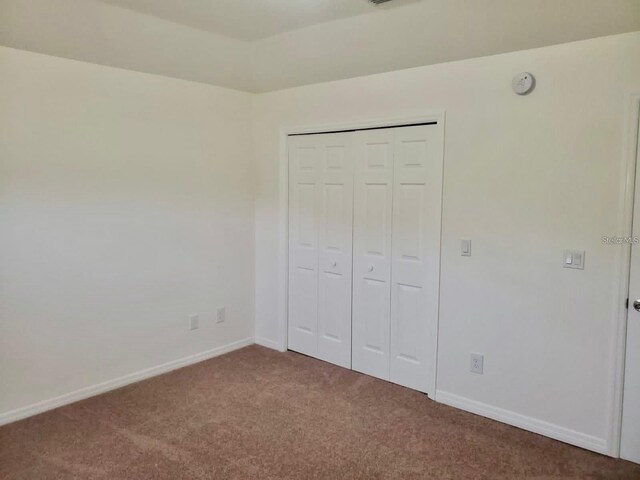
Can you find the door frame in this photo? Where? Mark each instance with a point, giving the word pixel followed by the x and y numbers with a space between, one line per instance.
pixel 283 202
pixel 630 160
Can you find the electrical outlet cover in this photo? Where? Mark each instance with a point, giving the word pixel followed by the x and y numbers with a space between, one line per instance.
pixel 220 315
pixel 477 363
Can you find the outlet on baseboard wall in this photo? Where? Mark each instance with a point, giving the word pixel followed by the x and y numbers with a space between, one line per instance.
pixel 194 321
pixel 477 363
pixel 221 314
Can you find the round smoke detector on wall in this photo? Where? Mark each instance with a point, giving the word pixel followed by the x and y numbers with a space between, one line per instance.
pixel 523 83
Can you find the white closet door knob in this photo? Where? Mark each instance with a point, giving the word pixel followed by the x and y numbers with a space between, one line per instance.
pixel 371 268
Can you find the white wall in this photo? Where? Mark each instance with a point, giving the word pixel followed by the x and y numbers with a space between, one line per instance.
pixel 401 34
pixel 525 178
pixel 93 31
pixel 126 205
pixel 423 33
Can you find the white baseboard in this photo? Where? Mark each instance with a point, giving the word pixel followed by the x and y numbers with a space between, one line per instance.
pixel 541 427
pixel 265 342
pixel 86 392
pixel 535 425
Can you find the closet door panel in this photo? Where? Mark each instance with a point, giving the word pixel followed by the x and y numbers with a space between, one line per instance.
pixel 417 193
pixel 335 249
pixel 304 195
pixel 372 251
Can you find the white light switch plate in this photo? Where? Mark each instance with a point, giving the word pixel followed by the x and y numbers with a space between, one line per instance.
pixel 573 259
pixel 465 248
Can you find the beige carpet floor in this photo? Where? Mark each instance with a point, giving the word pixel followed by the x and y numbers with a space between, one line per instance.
pixel 260 414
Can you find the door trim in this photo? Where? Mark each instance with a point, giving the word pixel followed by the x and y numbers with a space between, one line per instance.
pixel 631 156
pixel 437 116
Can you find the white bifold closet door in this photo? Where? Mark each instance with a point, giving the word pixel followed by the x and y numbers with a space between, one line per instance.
pixel 397 213
pixel 372 226
pixel 320 245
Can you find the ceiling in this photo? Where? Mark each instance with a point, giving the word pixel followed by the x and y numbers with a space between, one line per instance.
pixel 252 19
pixel 265 45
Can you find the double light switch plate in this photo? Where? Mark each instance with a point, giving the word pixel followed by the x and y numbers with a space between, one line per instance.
pixel 573 259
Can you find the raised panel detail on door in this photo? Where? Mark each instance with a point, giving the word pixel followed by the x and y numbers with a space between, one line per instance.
pixel 409 216
pixel 306 224
pixel 334 199
pixel 376 226
pixel 335 249
pixel 304 211
pixel 333 312
pixel 417 193
pixel 304 301
pixel 407 319
pixel 375 308
pixel 372 251
pixel 336 156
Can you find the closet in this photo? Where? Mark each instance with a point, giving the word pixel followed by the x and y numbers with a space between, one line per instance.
pixel 364 250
